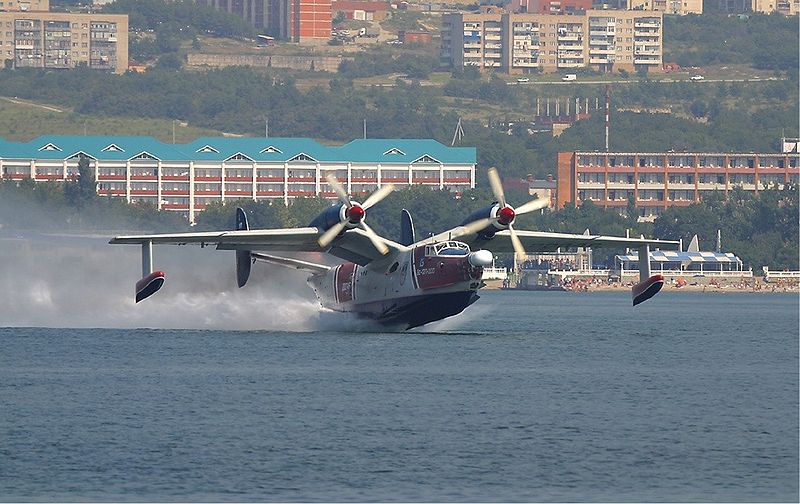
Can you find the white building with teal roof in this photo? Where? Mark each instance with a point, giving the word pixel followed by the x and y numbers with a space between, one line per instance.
pixel 187 177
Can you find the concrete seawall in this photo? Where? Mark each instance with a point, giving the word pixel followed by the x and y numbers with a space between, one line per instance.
pixel 318 63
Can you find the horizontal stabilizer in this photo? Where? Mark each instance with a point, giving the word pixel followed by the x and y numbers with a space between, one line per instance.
pixel 149 285
pixel 291 263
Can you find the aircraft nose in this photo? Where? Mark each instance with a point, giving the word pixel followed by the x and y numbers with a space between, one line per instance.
pixel 481 258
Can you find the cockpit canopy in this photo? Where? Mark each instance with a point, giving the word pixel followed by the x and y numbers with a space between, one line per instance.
pixel 447 248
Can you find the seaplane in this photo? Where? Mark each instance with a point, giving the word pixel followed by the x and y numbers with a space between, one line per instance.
pixel 408 282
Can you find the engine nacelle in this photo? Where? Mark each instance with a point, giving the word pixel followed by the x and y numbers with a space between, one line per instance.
pixel 501 218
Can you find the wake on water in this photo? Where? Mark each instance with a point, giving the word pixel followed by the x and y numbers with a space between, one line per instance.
pixel 84 282
pixel 88 283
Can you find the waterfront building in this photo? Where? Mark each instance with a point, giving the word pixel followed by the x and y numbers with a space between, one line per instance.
pixel 602 40
pixel 658 180
pixel 57 40
pixel 187 177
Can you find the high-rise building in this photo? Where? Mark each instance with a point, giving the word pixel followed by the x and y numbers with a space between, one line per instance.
pixel 64 40
pixel 293 20
pixel 603 40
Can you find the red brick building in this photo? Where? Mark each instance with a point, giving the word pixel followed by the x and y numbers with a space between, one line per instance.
pixel 310 20
pixel 658 180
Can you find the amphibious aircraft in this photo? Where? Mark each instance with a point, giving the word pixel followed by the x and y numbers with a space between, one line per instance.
pixel 408 282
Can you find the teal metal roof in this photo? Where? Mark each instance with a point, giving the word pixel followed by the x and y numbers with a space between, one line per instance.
pixel 99 147
pixel 403 151
pixel 257 149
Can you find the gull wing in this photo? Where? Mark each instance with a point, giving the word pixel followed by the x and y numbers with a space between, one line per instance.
pixel 354 245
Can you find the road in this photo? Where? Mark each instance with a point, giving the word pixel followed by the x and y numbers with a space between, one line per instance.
pixel 31 104
pixel 629 81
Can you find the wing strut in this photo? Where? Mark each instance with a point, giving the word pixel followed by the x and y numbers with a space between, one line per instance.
pixel 648 285
pixel 151 280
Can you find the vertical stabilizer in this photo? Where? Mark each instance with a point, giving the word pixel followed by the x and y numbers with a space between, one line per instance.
pixel 242 256
pixel 694 245
pixel 407 235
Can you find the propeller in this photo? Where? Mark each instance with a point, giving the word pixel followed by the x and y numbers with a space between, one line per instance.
pixel 505 214
pixel 354 215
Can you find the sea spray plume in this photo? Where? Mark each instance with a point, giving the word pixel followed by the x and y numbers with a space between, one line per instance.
pixel 82 282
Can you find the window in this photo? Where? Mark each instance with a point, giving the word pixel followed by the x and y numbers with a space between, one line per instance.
pixel 207 148
pixel 303 157
pixel 270 150
pixel 394 152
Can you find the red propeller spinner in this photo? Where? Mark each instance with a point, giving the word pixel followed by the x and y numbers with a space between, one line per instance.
pixel 355 213
pixel 505 215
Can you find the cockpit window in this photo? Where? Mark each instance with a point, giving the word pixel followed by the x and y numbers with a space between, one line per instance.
pixel 448 248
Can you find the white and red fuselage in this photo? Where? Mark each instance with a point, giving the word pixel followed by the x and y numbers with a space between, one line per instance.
pixel 414 287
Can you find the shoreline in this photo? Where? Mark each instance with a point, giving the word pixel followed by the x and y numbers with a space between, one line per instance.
pixel 757 288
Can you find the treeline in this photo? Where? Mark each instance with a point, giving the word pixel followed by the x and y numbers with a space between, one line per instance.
pixel 763 41
pixel 184 17
pixel 762 230
pixel 240 100
pixel 75 206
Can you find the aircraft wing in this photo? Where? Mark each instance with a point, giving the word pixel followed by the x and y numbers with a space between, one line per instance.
pixel 354 245
pixel 538 241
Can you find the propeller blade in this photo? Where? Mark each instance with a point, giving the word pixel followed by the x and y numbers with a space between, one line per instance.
pixel 377 196
pixel 519 250
pixel 473 227
pixel 497 186
pixel 337 187
pixel 532 206
pixel 328 236
pixel 374 238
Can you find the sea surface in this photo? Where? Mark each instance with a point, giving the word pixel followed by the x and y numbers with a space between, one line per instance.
pixel 525 397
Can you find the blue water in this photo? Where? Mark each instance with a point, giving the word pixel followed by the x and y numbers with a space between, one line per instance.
pixel 526 397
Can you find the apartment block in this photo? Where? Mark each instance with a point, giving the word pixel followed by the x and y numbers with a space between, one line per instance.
pixel 658 180
pixel 63 40
pixel 678 7
pixel 25 5
pixel 293 20
pixel 602 40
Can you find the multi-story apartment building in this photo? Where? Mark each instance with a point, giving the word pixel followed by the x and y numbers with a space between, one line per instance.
pixel 294 20
pixel 658 180
pixel 25 5
pixel 603 40
pixel 63 40
pixel 679 7
pixel 785 7
pixel 549 6
pixel 187 177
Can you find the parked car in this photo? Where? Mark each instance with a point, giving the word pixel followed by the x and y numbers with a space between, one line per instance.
pixel 697 77
pixel 569 77
pixel 523 79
